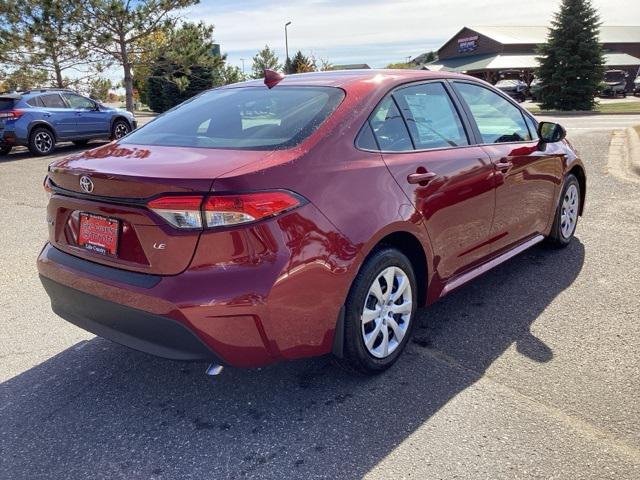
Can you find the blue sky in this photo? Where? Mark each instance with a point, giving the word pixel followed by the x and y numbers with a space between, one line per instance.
pixel 376 32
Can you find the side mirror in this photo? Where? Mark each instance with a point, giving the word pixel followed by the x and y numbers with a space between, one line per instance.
pixel 550 132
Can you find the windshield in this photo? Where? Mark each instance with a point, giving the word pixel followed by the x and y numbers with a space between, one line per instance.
pixel 614 76
pixel 251 118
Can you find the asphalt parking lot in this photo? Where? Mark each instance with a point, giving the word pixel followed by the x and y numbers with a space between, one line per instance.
pixel 531 371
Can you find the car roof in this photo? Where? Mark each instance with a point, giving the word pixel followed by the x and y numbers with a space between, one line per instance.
pixel 42 91
pixel 346 78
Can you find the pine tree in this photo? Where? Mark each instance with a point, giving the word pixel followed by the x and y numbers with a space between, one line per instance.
pixel 265 58
pixel 44 36
pixel 302 64
pixel 571 62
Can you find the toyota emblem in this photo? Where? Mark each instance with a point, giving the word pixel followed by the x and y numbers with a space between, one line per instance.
pixel 86 184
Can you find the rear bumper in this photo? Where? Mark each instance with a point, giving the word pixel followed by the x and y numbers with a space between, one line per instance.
pixel 251 296
pixel 137 329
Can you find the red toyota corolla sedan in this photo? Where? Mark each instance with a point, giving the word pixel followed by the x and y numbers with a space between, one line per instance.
pixel 302 216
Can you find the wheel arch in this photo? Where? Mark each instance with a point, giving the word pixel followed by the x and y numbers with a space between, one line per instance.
pixel 42 123
pixel 410 245
pixel 117 117
pixel 578 172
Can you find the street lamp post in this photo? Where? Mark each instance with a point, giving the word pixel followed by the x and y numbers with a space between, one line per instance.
pixel 286 40
pixel 242 60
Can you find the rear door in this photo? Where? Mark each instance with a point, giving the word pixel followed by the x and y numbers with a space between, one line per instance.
pixel 449 181
pixel 90 120
pixel 58 114
pixel 527 177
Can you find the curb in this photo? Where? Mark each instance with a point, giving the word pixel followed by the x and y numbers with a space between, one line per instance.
pixel 633 146
pixel 623 160
pixel 575 113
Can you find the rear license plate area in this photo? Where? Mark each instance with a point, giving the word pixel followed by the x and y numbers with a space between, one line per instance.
pixel 99 234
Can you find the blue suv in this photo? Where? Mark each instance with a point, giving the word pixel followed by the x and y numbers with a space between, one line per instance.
pixel 38 119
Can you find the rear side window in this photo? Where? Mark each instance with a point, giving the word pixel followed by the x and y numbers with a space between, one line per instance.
pixel 431 116
pixel 35 102
pixel 389 128
pixel 251 118
pixel 53 100
pixel 498 120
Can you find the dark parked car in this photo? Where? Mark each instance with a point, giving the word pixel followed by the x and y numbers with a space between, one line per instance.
pixel 38 119
pixel 516 89
pixel 306 215
pixel 614 83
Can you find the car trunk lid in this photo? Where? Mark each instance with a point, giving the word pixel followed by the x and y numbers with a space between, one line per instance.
pixel 109 221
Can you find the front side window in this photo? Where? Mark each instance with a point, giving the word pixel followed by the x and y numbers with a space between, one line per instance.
pixel 53 100
pixel 389 128
pixel 533 127
pixel 431 116
pixel 250 118
pixel 498 120
pixel 79 103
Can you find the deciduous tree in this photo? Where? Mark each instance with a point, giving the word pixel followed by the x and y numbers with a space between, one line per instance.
pixel 115 28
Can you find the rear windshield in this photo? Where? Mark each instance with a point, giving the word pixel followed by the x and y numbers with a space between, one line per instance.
pixel 6 103
pixel 613 76
pixel 250 118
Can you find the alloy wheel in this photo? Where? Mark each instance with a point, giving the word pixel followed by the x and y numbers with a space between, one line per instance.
pixel 43 141
pixel 387 312
pixel 569 213
pixel 121 130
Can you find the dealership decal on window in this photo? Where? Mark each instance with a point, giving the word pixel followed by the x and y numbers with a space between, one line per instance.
pixel 467 44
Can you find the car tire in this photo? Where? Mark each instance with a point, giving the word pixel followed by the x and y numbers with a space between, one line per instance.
pixel 5 149
pixel 373 318
pixel 80 143
pixel 567 212
pixel 119 129
pixel 41 141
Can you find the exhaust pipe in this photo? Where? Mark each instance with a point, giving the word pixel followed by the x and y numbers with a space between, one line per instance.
pixel 214 369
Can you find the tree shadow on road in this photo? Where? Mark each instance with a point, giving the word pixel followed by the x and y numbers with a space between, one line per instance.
pixel 98 410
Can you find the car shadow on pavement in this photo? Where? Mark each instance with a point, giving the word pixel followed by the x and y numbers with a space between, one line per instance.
pixel 99 410
pixel 21 153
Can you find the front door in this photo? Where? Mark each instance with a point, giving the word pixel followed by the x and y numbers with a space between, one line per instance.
pixel 90 120
pixel 527 176
pixel 450 183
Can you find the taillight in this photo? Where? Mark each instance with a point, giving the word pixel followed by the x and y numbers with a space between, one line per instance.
pixel 224 210
pixel 11 114
pixel 188 212
pixel 47 186
pixel 179 211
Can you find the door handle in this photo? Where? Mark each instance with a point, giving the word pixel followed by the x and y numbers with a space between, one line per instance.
pixel 421 177
pixel 504 166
